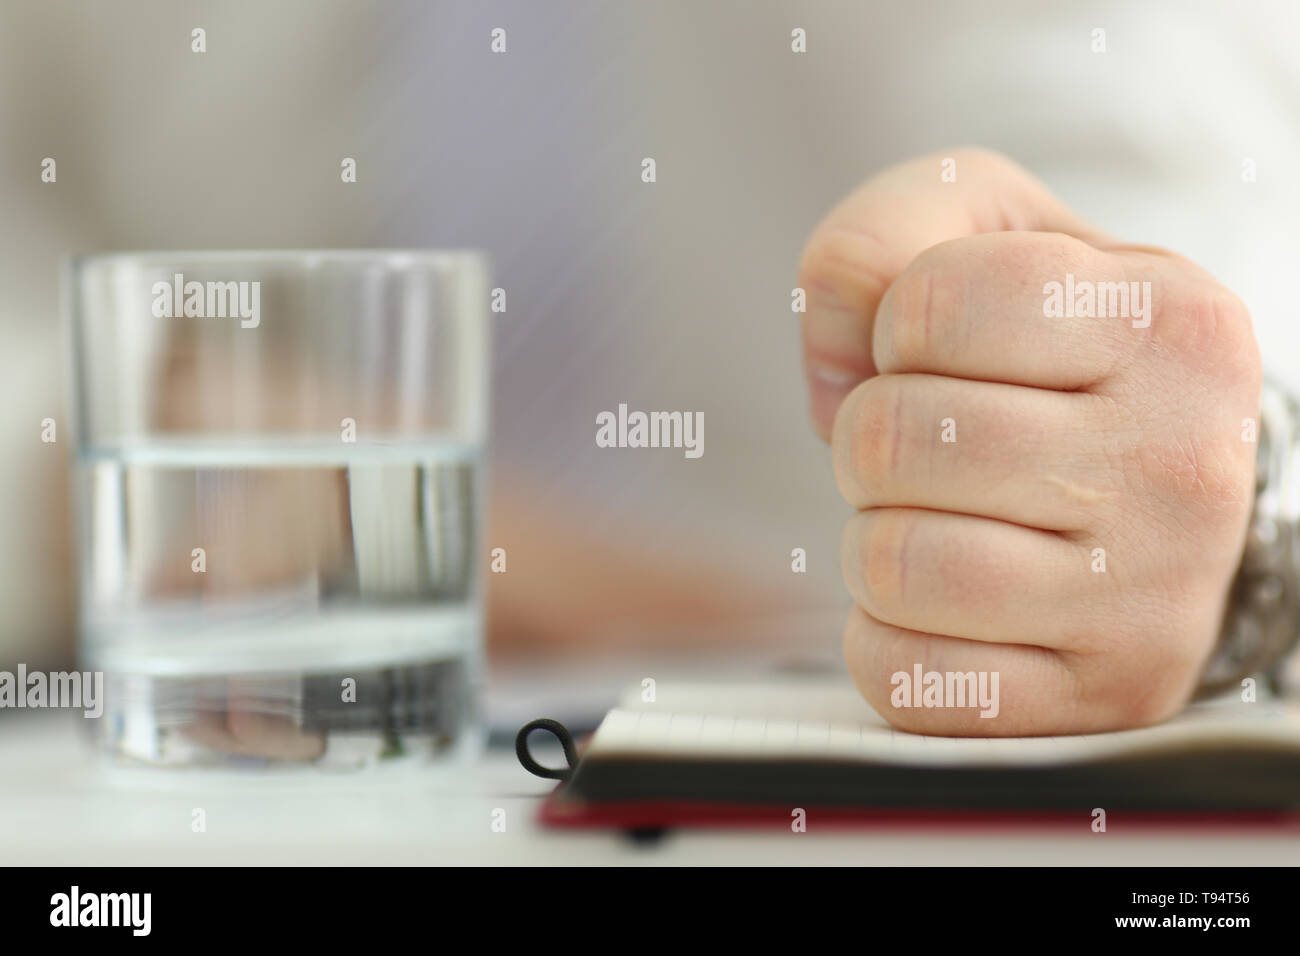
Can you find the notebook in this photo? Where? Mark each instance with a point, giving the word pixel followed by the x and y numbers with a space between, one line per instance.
pixel 709 753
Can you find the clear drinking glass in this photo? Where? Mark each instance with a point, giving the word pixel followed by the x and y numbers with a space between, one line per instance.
pixel 280 477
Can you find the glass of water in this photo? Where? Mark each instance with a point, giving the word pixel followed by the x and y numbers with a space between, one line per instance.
pixel 279 486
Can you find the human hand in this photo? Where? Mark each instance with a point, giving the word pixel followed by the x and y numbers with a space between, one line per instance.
pixel 1055 498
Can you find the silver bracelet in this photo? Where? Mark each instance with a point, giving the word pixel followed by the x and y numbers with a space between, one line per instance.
pixel 1262 622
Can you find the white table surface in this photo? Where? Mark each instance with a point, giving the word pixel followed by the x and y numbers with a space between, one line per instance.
pixel 58 806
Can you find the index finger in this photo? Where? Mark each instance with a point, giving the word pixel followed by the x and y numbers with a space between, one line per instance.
pixel 866 241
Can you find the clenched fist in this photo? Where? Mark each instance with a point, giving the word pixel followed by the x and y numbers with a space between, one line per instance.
pixel 1048 438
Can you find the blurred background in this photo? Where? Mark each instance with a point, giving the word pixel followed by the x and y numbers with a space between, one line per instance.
pixel 671 295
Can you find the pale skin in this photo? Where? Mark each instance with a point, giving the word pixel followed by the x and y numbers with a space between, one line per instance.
pixel 925 303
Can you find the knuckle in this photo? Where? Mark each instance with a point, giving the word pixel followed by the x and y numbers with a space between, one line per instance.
pixel 882 550
pixel 866 463
pixel 907 337
pixel 1232 338
pixel 851 554
pixel 1213 475
pixel 1213 327
pixel 873 652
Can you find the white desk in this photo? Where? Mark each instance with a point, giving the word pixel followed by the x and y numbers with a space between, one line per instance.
pixel 57 808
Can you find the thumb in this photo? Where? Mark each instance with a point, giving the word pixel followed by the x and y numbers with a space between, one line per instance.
pixel 863 244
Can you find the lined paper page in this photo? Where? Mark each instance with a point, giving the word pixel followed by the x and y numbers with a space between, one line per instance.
pixel 827 719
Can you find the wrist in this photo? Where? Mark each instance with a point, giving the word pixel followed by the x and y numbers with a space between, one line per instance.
pixel 1261 623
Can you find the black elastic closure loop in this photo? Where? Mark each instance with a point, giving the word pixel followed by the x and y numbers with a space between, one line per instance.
pixel 561 734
